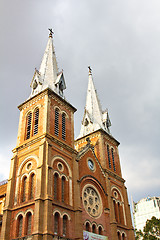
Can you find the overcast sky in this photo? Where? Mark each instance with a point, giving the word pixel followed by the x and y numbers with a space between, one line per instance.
pixel 120 40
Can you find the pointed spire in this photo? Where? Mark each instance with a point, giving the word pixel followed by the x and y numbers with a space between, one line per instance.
pixel 48 72
pixel 94 118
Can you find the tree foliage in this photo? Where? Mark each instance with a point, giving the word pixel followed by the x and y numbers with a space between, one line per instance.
pixel 151 230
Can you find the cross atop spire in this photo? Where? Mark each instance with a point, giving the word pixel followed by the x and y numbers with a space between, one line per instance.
pixel 90 70
pixel 51 32
pixel 94 118
pixel 48 75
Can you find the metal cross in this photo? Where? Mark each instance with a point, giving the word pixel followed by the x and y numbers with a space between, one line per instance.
pixel 51 32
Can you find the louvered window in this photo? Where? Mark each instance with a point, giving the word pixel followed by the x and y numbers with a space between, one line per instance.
pixel 20 225
pixel 24 189
pixel 36 118
pixel 55 186
pixel 29 120
pixel 64 225
pixel 114 167
pixel 109 160
pixel 32 184
pixel 63 126
pixel 63 188
pixel 29 223
pixel 56 126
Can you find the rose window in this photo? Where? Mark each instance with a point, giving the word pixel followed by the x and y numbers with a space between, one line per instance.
pixel 92 201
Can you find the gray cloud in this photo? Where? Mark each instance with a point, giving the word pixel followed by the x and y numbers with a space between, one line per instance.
pixel 120 40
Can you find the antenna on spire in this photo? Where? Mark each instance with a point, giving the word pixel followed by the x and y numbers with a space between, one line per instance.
pixel 51 32
pixel 90 70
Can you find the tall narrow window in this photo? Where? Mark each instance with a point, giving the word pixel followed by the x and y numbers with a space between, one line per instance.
pixel 100 230
pixel 56 223
pixel 24 183
pixel 32 185
pixel 87 226
pixel 29 120
pixel 109 160
pixel 36 118
pixel 29 223
pixel 64 225
pixel 94 228
pixel 123 236
pixel 56 125
pixel 114 167
pixel 63 188
pixel 63 126
pixel 115 210
pixel 55 186
pixel 119 236
pixel 20 225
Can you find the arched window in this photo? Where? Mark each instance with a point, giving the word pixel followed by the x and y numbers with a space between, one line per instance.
pixel 119 212
pixel 100 230
pixel 29 223
pixel 56 186
pixel 94 228
pixel 24 184
pixel 123 236
pixel 65 218
pixel 114 167
pixel 29 121
pixel 36 118
pixel 63 126
pixel 20 226
pixel 87 226
pixel 109 160
pixel 119 236
pixel 56 124
pixel 32 186
pixel 115 210
pixel 56 223
pixel 63 189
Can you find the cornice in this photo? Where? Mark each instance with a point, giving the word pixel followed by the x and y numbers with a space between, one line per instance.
pixel 40 95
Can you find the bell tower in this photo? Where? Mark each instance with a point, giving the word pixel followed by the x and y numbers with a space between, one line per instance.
pixel 98 153
pixel 43 197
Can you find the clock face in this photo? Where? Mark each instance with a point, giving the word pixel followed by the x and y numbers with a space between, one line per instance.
pixel 91 164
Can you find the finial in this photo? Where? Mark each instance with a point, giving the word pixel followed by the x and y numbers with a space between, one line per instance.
pixel 51 32
pixel 90 70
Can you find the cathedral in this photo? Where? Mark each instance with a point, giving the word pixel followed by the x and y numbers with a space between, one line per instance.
pixel 59 187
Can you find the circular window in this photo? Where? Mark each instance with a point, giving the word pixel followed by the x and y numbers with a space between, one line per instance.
pixel 92 201
pixel 60 166
pixel 91 164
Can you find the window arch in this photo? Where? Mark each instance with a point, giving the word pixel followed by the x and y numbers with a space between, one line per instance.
pixel 63 189
pixel 114 166
pixel 119 236
pixel 24 186
pixel 94 228
pixel 56 178
pixel 65 223
pixel 29 121
pixel 56 223
pixel 123 236
pixel 36 119
pixel 56 124
pixel 63 126
pixel 20 225
pixel 32 186
pixel 109 159
pixel 87 226
pixel 29 223
pixel 100 230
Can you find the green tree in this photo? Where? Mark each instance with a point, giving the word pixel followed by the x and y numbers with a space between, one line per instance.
pixel 151 230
